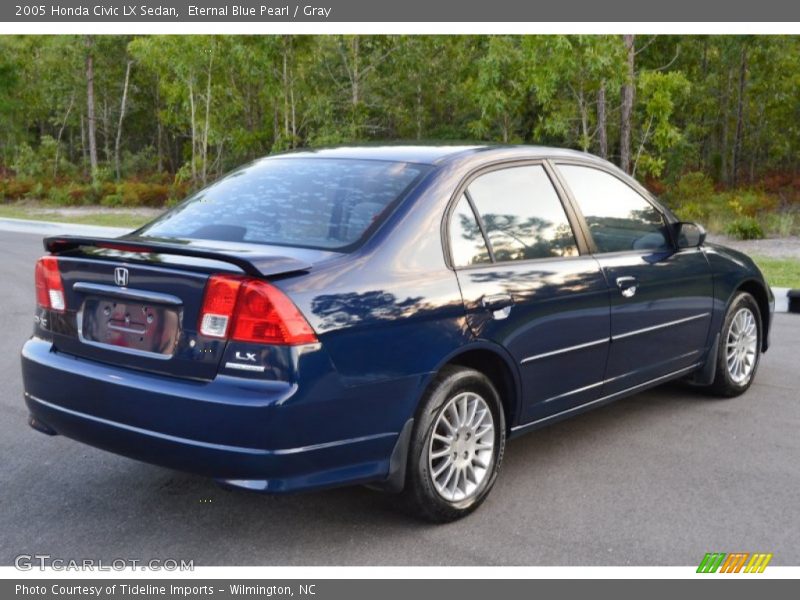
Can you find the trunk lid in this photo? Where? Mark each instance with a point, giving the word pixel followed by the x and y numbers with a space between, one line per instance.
pixel 137 303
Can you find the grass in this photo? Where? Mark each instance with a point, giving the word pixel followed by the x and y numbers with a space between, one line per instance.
pixel 780 272
pixel 88 217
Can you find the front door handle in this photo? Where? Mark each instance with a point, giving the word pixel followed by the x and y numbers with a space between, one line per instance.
pixel 498 304
pixel 627 286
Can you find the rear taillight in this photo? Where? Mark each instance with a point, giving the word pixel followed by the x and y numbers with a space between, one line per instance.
pixel 251 310
pixel 218 305
pixel 49 287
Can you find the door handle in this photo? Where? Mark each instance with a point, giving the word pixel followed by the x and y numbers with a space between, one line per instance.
pixel 497 301
pixel 498 304
pixel 627 286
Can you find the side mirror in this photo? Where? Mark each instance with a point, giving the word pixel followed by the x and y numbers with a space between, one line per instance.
pixel 689 235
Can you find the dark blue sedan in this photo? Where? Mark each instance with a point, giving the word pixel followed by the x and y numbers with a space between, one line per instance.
pixel 385 316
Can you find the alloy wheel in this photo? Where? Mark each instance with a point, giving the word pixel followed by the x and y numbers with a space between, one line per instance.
pixel 461 447
pixel 741 348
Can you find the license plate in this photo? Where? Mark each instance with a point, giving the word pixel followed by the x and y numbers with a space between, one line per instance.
pixel 140 327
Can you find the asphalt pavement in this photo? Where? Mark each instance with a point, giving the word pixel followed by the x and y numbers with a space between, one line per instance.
pixel 660 478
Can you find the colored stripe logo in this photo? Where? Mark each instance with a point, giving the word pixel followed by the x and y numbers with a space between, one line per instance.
pixel 736 562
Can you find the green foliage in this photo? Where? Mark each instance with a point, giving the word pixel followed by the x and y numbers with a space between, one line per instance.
pixel 782 224
pixel 744 228
pixel 721 109
pixel 693 188
pixel 659 96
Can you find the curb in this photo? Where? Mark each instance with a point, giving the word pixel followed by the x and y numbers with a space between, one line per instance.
pixel 787 300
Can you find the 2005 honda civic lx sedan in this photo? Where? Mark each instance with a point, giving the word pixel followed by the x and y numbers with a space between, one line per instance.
pixel 383 315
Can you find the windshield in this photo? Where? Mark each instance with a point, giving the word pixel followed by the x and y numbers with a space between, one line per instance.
pixel 307 202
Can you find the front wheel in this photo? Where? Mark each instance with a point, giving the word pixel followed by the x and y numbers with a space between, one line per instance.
pixel 739 347
pixel 456 447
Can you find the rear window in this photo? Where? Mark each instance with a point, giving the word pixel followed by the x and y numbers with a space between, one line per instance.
pixel 307 202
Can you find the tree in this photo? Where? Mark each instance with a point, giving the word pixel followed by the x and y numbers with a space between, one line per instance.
pixel 90 107
pixel 626 111
pixel 659 93
pixel 123 104
pixel 499 92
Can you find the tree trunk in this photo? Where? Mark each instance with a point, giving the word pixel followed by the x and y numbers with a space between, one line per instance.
pixel 627 106
pixel 419 111
pixel 193 121
pixel 294 112
pixel 159 130
pixel 724 171
pixel 737 145
pixel 106 129
pixel 602 134
pixel 90 115
pixel 60 133
pixel 276 129
pixel 584 110
pixel 356 87
pixel 285 91
pixel 84 153
pixel 122 106
pixel 207 120
pixel 356 74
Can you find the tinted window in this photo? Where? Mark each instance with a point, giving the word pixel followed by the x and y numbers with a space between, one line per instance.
pixel 522 214
pixel 618 217
pixel 466 240
pixel 316 202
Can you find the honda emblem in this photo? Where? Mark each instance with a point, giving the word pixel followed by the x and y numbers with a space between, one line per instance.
pixel 121 276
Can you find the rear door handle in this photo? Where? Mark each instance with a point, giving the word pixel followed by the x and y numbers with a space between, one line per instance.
pixel 498 304
pixel 627 286
pixel 497 301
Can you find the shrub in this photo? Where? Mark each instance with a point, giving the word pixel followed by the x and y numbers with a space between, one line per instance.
pixel 143 194
pixel 59 196
pixel 749 203
pixel 15 189
pixel 781 224
pixel 744 228
pixel 143 161
pixel 694 188
pixel 693 211
pixel 111 200
pixel 37 191
pixel 26 162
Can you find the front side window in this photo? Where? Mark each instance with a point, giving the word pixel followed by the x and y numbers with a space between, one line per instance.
pixel 619 218
pixel 307 202
pixel 522 214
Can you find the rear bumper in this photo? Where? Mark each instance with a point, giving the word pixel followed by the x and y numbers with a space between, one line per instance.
pixel 261 435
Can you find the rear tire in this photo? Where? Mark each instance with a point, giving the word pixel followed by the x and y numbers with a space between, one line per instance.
pixel 739 349
pixel 456 447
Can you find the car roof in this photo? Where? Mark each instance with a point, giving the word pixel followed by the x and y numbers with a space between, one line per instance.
pixel 435 154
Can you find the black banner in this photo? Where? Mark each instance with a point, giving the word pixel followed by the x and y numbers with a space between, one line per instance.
pixel 407 11
pixel 340 589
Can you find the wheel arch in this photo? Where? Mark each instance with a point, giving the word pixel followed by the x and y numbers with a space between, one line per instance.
pixel 494 362
pixel 756 289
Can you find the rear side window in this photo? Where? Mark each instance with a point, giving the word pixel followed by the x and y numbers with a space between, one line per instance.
pixel 522 214
pixel 466 239
pixel 618 217
pixel 308 202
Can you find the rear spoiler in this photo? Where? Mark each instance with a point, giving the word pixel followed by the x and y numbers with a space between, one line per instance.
pixel 251 262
